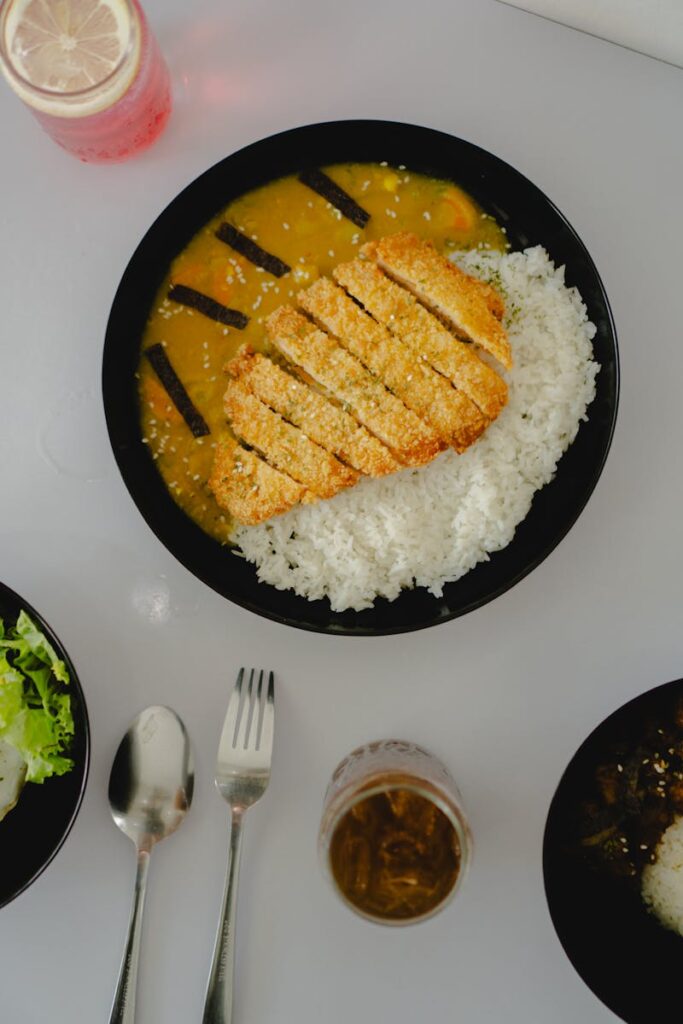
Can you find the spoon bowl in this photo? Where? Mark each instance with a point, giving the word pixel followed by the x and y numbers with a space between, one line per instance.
pixel 152 777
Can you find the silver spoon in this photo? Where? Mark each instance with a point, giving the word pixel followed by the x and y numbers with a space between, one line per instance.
pixel 150 791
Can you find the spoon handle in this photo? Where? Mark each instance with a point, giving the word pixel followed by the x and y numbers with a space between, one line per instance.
pixel 218 1005
pixel 123 1010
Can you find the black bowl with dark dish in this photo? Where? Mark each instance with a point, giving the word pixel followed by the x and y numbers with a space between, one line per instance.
pixel 33 832
pixel 629 960
pixel 528 217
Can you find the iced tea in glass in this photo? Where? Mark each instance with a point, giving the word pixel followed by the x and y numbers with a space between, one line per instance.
pixel 394 840
pixel 91 72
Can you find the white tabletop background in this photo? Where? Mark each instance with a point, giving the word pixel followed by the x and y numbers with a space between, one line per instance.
pixel 504 695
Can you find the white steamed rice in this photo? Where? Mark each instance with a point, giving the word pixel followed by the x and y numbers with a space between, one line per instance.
pixel 430 526
pixel 662 882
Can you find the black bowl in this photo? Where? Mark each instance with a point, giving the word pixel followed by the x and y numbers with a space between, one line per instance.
pixel 529 219
pixel 34 831
pixel 629 960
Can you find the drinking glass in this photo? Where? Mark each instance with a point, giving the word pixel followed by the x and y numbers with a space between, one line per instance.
pixel 106 111
pixel 394 841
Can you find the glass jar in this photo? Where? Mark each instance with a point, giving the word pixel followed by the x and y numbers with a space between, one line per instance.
pixel 394 841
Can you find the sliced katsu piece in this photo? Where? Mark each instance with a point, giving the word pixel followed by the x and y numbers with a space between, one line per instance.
pixel 406 318
pixel 411 440
pixel 456 419
pixel 492 298
pixel 324 422
pixel 284 445
pixel 453 295
pixel 247 487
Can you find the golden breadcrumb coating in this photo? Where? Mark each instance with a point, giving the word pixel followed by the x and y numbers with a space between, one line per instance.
pixel 406 318
pixel 325 423
pixel 412 442
pixel 283 445
pixel 247 487
pixel 446 289
pixel 455 418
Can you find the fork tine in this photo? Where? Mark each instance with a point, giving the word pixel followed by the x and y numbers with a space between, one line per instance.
pixel 242 733
pixel 265 742
pixel 233 710
pixel 258 712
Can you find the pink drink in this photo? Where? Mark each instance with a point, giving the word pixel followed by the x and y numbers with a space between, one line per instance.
pixel 109 120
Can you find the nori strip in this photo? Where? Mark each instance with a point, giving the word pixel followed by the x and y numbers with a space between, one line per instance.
pixel 208 306
pixel 176 390
pixel 254 253
pixel 328 189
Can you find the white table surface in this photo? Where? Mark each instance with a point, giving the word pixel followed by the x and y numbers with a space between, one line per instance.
pixel 503 695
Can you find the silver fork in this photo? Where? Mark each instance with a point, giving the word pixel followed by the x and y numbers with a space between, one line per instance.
pixel 242 774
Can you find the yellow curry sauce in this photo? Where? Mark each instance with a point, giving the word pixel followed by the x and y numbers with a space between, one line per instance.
pixel 292 222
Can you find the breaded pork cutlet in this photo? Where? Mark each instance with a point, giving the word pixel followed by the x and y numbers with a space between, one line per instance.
pixel 411 440
pixel 247 487
pixel 425 335
pixel 283 445
pixel 455 418
pixel 447 290
pixel 323 421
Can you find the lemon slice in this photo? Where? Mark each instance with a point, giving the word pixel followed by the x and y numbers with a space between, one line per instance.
pixel 64 47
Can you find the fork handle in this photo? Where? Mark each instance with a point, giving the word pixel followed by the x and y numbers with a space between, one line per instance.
pixel 218 1005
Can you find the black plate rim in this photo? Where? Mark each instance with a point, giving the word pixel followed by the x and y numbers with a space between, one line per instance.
pixel 11 596
pixel 618 715
pixel 137 493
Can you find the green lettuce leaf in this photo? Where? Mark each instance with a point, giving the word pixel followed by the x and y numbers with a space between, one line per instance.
pixel 35 710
